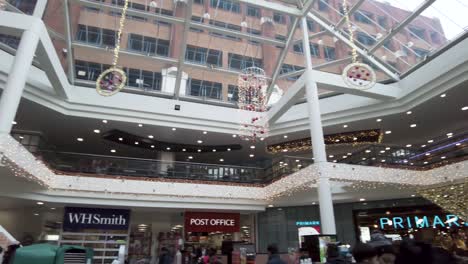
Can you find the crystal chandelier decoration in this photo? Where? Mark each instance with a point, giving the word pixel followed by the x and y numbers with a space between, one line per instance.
pixel 112 80
pixel 356 75
pixel 253 84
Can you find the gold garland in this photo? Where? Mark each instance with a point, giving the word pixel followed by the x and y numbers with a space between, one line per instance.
pixel 114 75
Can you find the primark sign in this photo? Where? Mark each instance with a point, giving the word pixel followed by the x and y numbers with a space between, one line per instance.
pixel 421 221
pixel 76 218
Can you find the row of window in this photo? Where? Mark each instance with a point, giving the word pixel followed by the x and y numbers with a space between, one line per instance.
pixel 26 6
pixel 329 52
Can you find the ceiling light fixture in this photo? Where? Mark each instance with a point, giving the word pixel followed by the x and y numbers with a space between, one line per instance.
pixel 222 160
pixel 183 150
pixel 362 199
pixel 214 150
pixel 382 160
pixel 368 151
pixel 345 126
pixel 199 150
pixel 379 120
pixel 204 132
pixel 14 123
pixel 52 208
pixel 234 136
pixel 262 139
pixel 97 131
pixel 190 157
pixel 40 203
pixel 428 154
pixel 449 134
pixel 152 146
pixel 113 150
pixel 363 158
pixel 413 125
pixel 430 141
pixel 199 141
pixel 80 139
pixel 443 157
pixel 285 136
pixel 136 143
pixel 252 147
pixel 174 129
pixel 413 195
pixel 458 144
pixel 443 95
pixel 120 139
pixel 387 148
pixel 388 132
pixel 408 146
pixel 168 148
pixel 270 206
pixel 426 162
pixel 423 146
pixel 151 136
pixel 104 121
pixel 409 112
pixel 331 156
pixel 464 108
pixel 251 155
pixel 229 149
pixel 140 125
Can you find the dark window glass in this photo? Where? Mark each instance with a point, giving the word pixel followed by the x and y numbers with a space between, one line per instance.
pixel 323 5
pixel 314 49
pixel 162 47
pixel 226 5
pixel 417 32
pixel 81 35
pixel 383 21
pixel 233 93
pixel 310 25
pixel 365 39
pixel 435 37
pixel 26 6
pixel 227 26
pixel 138 6
pixel 329 53
pixel 254 32
pixel 240 62
pixel 134 78
pixel 11 41
pixel 208 89
pixel 149 45
pixel 109 37
pixel 279 18
pixel 163 12
pixel 388 44
pixel 94 35
pixel 298 47
pixel 420 53
pixel 136 42
pixel 118 2
pixel 363 17
pixel 286 68
pixel 253 11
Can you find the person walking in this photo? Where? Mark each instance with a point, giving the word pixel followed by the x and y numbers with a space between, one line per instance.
pixel 273 255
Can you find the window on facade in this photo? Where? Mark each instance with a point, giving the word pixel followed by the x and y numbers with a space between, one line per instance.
pixel 147 80
pixel 329 53
pixel 363 17
pixel 10 41
pixel 253 11
pixel 26 6
pixel 118 2
pixel 200 2
pixel 365 39
pixel 279 18
pixel 96 36
pixel 233 93
pixel 227 26
pixel 323 5
pixel 109 37
pixel 240 62
pixel 91 9
pixel 383 21
pixel 212 90
pixel 388 44
pixel 286 68
pixel 421 53
pixel 204 56
pixel 87 70
pixel 435 37
pixel 254 32
pixel 417 32
pixel 163 12
pixel 197 19
pixel 280 37
pixel 314 49
pixel 137 6
pixel 226 5
pixel 148 45
pixel 310 25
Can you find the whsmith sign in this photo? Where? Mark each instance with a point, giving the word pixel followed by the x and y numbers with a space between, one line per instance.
pixel 76 218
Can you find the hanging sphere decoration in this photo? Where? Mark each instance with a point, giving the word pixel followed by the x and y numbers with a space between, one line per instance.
pixel 359 75
pixel 111 81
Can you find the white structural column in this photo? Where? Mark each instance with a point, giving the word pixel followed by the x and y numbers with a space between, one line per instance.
pixel 327 216
pixel 39 9
pixel 19 71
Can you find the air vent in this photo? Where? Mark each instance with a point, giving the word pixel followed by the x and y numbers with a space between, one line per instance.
pixel 74 258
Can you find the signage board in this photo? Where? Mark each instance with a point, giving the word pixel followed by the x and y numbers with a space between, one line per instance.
pixel 420 221
pixel 212 222
pixel 76 218
pixel 307 223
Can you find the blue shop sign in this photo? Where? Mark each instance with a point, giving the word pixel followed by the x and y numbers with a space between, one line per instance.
pixel 307 223
pixel 409 222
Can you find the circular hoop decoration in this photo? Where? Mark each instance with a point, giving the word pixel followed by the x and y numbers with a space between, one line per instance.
pixel 359 75
pixel 111 81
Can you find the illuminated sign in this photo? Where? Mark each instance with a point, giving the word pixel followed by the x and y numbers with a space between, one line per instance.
pixel 307 223
pixel 408 222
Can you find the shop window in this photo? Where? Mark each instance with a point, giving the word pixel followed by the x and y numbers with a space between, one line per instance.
pixel 233 93
pixel 206 89
pixel 417 32
pixel 240 62
pixel 365 39
pixel 383 21
pixel 323 5
pixel 26 6
pixel 286 68
pixel 329 53
pixel 227 5
pixel 204 56
pixel 279 18
pixel 253 11
pixel 363 17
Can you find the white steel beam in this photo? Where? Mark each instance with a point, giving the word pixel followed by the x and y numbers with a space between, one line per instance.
pixel 338 34
pixel 307 6
pixel 277 7
pixel 282 57
pixel 183 47
pixel 402 24
pixel 295 92
pixel 353 9
pixel 39 9
pixel 68 40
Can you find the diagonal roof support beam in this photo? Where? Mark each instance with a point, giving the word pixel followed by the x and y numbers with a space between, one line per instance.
pixel 282 57
pixel 402 24
pixel 277 7
pixel 307 6
pixel 339 34
pixel 183 48
pixel 353 9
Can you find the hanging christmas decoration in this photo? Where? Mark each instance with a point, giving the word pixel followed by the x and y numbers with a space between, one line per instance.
pixel 253 84
pixel 356 75
pixel 112 80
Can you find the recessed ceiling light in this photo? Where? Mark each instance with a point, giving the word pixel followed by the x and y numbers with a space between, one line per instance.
pixel 428 154
pixel 36 214
pixel 299 165
pixel 40 203
pixel 382 151
pixel 408 146
pixel 113 150
pixel 413 125
pixel 426 162
pixel 362 199
pixel 297 160
pixel 449 134
pixel 140 125
pixel 52 208
pixel 21 137
pixel 204 132
pixel 136 143
pixel 152 146
pixel 411 164
pixel 234 136
pixel 458 144
pixel 270 205
pixel 382 160
pixel 373 158
pixel 349 154
pixel 423 146
pixel 120 139
pixel 355 138
pixel 368 151
pixel 464 108
pixel 285 136
pixel 413 195
pixel 331 156
pixel 251 155
pixel 344 157
pixel 104 121
pixel 174 129
pixel 379 120
pixel 97 131
pixel 221 160
pixel 430 141
pixel 199 150
pixel 184 150
pixel 150 136
pixel 229 149
pixel 14 123
pixel 252 147
pixel 405 161
pixel 345 126
pixel 168 148
pixel 387 148
pixel 214 150
pixel 363 158
pixel 443 157
pixel 285 150
pixel 262 139
pixel 388 132
pixel 190 157
pixel 409 112
pixel 443 95
pixel 80 139
pixel 335 161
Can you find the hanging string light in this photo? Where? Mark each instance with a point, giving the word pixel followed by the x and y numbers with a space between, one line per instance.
pixel 112 80
pixel 356 75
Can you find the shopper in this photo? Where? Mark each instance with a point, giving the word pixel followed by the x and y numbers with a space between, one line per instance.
pixel 366 254
pixel 165 257
pixel 333 255
pixel 385 252
pixel 213 259
pixel 273 255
